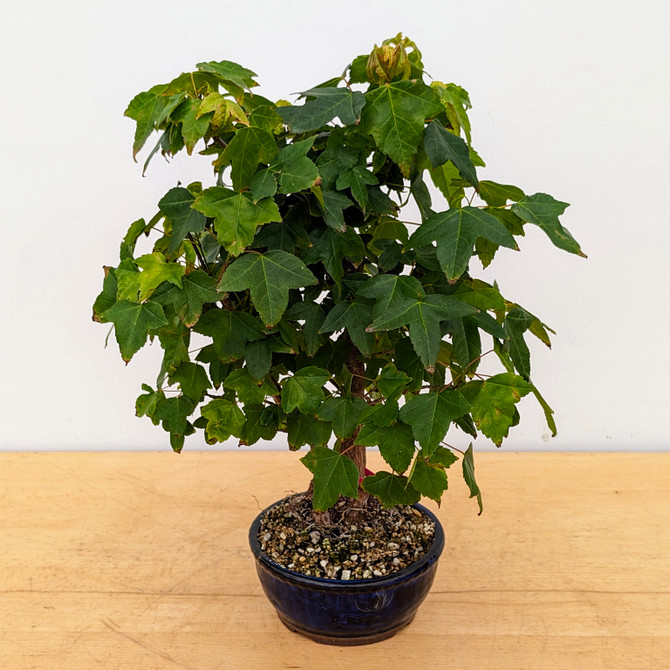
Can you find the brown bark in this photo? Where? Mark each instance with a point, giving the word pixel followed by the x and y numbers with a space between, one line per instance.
pixel 356 452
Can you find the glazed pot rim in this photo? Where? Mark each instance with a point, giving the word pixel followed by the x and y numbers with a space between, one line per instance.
pixel 431 554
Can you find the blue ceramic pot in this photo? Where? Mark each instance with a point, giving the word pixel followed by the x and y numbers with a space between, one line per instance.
pixel 335 611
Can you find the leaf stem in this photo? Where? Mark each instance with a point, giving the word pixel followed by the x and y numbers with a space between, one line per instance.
pixel 449 446
pixel 198 253
pixel 474 360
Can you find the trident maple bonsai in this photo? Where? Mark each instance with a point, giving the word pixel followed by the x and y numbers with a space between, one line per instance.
pixel 290 294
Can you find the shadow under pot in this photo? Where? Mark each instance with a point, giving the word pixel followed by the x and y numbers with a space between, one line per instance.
pixel 347 612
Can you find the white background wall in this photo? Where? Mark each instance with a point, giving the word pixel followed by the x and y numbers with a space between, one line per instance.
pixel 569 97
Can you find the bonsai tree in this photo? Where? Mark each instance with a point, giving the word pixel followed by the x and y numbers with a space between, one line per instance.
pixel 291 294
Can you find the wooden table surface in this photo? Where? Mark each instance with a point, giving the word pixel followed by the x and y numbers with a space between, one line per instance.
pixel 140 561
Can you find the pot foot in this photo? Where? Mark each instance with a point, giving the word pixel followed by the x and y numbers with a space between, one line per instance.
pixel 348 641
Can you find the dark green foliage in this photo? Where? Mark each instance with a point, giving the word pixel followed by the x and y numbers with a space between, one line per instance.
pixel 325 314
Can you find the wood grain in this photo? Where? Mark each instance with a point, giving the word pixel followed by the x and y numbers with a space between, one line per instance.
pixel 140 560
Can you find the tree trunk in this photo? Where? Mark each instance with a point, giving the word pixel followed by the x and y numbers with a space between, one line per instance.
pixel 356 453
pixel 353 511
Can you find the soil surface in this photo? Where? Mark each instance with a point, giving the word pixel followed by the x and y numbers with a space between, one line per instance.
pixel 381 542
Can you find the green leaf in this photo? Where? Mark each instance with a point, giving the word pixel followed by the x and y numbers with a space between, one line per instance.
pixel 396 443
pixel 456 102
pixel 249 147
pixel 333 205
pixel 263 185
pixel 254 429
pixel 224 419
pixel 355 317
pixel 488 324
pixel 357 179
pixel 448 179
pixel 269 277
pixel 156 270
pixel 303 391
pixel 469 476
pixel 422 197
pixel 516 323
pixel 174 339
pixel 493 403
pixel 193 127
pixel 323 106
pixel 424 317
pixel 236 216
pixel 192 379
pixel 543 211
pixel 145 109
pixel 302 429
pixel 296 171
pixel 197 289
pixel 334 476
pixel 136 229
pixel 442 146
pixel 108 295
pixel 388 228
pixel 230 332
pixel 392 382
pixel 146 403
pixel 177 442
pixel 258 357
pixel 390 292
pixel 176 206
pixel 394 115
pixel 430 414
pixel 228 71
pixel 540 329
pixel 497 195
pixel 174 413
pixel 548 412
pixel 132 324
pixel 466 341
pixel 480 294
pixel 343 413
pixel 297 174
pixel 313 317
pixel 442 456
pixel 455 232
pixel 266 117
pixel 331 247
pixel 218 370
pixel 428 479
pixel 248 390
pixel 382 414
pixel 335 159
pixel 391 489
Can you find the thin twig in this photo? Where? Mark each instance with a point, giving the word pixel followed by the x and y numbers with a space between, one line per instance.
pixel 473 361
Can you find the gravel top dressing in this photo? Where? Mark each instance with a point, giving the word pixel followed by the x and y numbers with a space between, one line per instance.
pixel 382 541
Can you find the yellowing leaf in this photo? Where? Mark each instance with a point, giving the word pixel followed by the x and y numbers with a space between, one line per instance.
pixel 493 403
pixel 156 270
